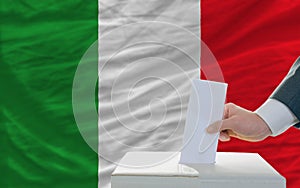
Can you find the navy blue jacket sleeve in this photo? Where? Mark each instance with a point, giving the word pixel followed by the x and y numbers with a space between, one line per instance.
pixel 288 92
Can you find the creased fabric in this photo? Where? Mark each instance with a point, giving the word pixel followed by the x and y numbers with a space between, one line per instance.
pixel 149 51
pixel 256 43
pixel 41 43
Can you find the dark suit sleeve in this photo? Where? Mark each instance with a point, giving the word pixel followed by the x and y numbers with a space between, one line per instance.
pixel 288 92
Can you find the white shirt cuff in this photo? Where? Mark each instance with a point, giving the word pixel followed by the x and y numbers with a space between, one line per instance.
pixel 277 116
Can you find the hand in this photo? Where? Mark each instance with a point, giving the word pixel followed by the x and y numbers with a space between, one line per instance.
pixel 240 123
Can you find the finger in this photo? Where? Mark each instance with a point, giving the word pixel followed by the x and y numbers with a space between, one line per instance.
pixel 214 128
pixel 226 124
pixel 217 126
pixel 224 137
pixel 226 111
pixel 230 109
pixel 232 134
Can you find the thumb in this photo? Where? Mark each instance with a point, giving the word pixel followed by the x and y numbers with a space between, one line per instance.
pixel 220 126
pixel 214 128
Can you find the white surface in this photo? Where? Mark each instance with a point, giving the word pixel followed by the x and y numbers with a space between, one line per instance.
pixel 148 53
pixel 151 164
pixel 278 116
pixel 246 170
pixel 206 106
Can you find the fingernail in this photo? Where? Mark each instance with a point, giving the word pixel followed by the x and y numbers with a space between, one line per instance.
pixel 222 137
pixel 210 129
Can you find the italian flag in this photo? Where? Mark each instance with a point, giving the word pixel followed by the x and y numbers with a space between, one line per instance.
pixel 42 43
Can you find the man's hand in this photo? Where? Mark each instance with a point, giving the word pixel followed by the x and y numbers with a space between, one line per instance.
pixel 240 123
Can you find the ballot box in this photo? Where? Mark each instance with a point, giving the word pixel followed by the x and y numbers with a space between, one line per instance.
pixel 162 170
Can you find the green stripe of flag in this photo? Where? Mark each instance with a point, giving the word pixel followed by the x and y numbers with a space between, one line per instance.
pixel 41 44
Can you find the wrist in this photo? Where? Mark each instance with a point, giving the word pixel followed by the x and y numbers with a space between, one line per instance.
pixel 264 127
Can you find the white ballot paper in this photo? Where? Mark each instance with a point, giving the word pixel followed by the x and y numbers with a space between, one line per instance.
pixel 206 106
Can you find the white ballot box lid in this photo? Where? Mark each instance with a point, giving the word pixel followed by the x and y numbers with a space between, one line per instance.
pixel 162 170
